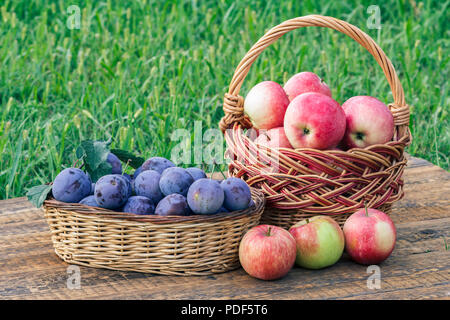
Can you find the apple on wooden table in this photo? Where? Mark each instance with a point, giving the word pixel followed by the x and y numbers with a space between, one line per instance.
pixel 320 242
pixel 370 236
pixel 267 252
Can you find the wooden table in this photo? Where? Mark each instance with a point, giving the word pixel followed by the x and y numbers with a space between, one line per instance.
pixel 419 267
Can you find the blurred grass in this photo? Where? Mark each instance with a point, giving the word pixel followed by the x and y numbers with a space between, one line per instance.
pixel 139 70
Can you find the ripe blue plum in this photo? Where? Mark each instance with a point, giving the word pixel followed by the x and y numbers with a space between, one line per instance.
pixel 173 205
pixel 89 201
pixel 115 163
pixel 137 172
pixel 205 196
pixel 196 173
pixel 175 180
pixel 158 164
pixel 127 176
pixel 127 180
pixel 71 185
pixel 147 184
pixel 111 191
pixel 237 194
pixel 139 205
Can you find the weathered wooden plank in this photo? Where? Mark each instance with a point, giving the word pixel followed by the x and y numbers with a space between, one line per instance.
pixel 344 280
pixel 418 245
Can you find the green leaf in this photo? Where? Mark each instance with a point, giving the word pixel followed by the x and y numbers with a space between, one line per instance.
pixel 95 152
pixel 103 169
pixel 80 152
pixel 94 155
pixel 125 156
pixel 37 195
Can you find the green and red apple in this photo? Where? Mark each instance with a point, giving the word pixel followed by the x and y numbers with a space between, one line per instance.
pixel 319 240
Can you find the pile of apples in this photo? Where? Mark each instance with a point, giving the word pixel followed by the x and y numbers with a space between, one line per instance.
pixel 268 252
pixel 303 114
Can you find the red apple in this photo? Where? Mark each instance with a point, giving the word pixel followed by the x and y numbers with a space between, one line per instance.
pixel 320 242
pixel 369 122
pixel 369 236
pixel 273 138
pixel 314 120
pixel 305 82
pixel 265 105
pixel 267 252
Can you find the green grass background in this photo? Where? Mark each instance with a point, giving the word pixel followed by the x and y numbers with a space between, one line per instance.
pixel 138 70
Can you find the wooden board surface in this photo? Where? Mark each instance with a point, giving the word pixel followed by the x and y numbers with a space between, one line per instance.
pixel 419 267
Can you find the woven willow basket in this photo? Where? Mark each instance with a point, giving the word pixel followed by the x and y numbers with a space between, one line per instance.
pixel 300 183
pixel 172 245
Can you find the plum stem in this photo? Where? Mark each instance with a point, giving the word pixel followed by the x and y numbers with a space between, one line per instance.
pixel 223 175
pixel 126 166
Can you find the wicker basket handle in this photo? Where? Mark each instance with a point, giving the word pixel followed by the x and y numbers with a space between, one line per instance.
pixel 233 102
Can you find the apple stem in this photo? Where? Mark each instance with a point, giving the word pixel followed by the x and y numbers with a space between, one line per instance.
pixel 307 220
pixel 268 232
pixel 365 208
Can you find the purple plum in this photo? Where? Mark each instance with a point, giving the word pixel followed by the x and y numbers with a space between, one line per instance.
pixel 175 180
pixel 71 185
pixel 158 164
pixel 111 191
pixel 173 205
pixel 237 194
pixel 205 196
pixel 147 184
pixel 139 205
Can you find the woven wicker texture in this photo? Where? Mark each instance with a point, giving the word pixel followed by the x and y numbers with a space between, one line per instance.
pixel 304 182
pixel 174 245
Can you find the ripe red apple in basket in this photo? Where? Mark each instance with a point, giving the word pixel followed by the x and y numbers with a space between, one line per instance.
pixel 267 252
pixel 305 82
pixel 265 105
pixel 369 122
pixel 369 236
pixel 273 138
pixel 314 120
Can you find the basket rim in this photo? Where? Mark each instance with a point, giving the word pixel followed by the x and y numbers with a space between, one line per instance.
pixel 81 209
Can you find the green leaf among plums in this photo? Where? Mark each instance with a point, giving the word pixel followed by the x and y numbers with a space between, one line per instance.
pixel 37 195
pixel 103 169
pixel 125 156
pixel 93 153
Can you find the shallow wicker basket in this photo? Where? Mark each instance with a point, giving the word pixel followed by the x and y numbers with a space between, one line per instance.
pixel 173 245
pixel 304 182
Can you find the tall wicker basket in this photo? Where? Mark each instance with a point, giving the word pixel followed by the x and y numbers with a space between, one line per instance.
pixel 310 182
